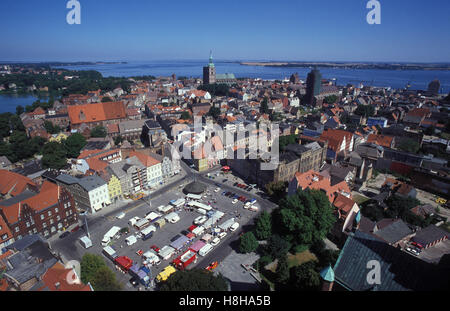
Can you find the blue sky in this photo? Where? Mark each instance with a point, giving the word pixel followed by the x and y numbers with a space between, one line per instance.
pixel 315 30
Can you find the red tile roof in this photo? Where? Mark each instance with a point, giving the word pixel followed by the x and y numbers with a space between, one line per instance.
pixel 57 279
pixel 96 112
pixel 313 180
pixel 14 183
pixel 146 160
pixel 380 140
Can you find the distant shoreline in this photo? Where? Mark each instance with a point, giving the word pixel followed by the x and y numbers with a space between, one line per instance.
pixel 382 66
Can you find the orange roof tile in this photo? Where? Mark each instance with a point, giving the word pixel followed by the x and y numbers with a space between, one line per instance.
pixel 13 183
pixel 56 279
pixel 380 140
pixel 96 112
pixel 146 160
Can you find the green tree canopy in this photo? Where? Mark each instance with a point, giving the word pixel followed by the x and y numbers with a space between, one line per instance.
pixel 50 128
pixel 90 264
pixel 105 280
pixel 263 228
pixel 409 145
pixel 54 156
pixel 214 112
pixel 248 243
pixel 277 190
pixel 73 144
pixel 331 99
pixel 365 110
pixel 305 277
pixel 185 115
pixel 305 217
pixel 194 280
pixel 282 272
pixel 277 247
pixel 264 107
pixel 99 132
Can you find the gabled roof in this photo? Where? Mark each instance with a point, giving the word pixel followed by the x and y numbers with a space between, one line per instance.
pixel 380 140
pixel 394 232
pixel 56 279
pixel 145 159
pixel 96 112
pixel 399 270
pixel 13 183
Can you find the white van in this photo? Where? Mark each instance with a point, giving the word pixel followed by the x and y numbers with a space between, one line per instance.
pixel 172 218
pixel 201 211
pixel 151 258
pixel 133 221
pixel 205 250
pixel 234 227
pixel 86 242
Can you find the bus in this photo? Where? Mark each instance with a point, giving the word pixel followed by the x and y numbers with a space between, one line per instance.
pixel 193 196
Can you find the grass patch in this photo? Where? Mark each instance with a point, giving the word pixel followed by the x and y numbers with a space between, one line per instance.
pixel 359 199
pixel 300 258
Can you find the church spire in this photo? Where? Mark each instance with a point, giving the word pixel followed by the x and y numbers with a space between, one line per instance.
pixel 211 64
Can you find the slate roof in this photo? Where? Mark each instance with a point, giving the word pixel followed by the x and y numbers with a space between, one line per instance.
pixel 399 270
pixel 429 235
pixel 394 232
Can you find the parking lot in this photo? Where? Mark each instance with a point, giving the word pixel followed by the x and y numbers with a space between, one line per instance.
pixel 163 236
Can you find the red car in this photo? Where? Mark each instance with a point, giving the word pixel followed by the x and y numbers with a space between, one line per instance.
pixel 191 228
pixel 76 229
pixel 417 245
pixel 155 248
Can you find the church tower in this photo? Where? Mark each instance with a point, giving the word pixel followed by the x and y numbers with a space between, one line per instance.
pixel 209 72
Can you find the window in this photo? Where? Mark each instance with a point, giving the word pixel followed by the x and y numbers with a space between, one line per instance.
pixel 59 226
pixel 58 218
pixel 35 230
pixel 68 204
pixel 17 229
pixel 4 237
pixel 51 221
pixel 56 210
pixel 44 224
pixel 49 213
pixel 28 224
pixel 42 217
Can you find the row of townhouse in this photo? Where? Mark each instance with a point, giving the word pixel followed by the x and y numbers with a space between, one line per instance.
pixel 45 211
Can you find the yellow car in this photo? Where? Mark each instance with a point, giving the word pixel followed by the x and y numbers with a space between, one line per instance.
pixel 164 275
pixel 441 201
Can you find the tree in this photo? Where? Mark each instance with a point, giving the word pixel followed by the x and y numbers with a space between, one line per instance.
pixel 214 112
pixel 90 264
pixel 365 110
pixel 194 280
pixel 118 140
pixel 409 145
pixel 287 140
pixel 282 272
pixel 277 247
pixel 305 277
pixel 264 108
pixel 19 110
pixel 185 115
pixel 331 99
pixel 99 132
pixel 263 228
pixel 105 280
pixel 73 144
pixel 248 243
pixel 54 156
pixel 277 190
pixel 305 217
pixel 50 128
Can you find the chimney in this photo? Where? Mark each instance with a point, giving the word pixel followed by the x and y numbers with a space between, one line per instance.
pixel 327 286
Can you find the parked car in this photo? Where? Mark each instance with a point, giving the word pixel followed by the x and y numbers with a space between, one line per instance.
pixel 412 250
pixel 418 245
pixel 215 241
pixel 234 227
pixel 200 220
pixel 175 238
pixel 120 216
pixel 224 193
pixel 75 229
pixel 222 235
pixel 155 248
pixel 234 201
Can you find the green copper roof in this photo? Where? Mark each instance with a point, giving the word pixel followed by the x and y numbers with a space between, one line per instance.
pixel 327 274
pixel 211 64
